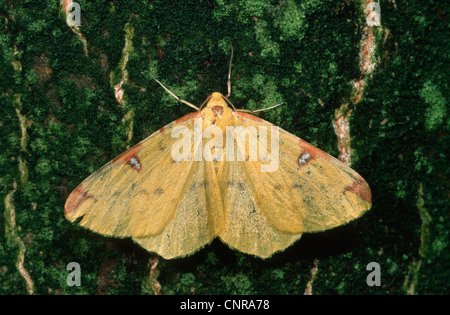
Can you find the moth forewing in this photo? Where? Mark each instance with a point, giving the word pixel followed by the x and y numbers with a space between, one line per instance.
pixel 269 159
pixel 213 149
pixel 181 150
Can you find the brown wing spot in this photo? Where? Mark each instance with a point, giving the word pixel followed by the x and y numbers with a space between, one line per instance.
pixel 135 163
pixel 360 188
pixel 143 192
pixel 162 130
pixel 161 146
pixel 307 148
pixel 304 159
pixel 130 158
pixel 158 191
pixel 76 198
pixel 244 116
pixel 187 117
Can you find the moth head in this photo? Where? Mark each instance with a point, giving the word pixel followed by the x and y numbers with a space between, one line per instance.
pixel 216 99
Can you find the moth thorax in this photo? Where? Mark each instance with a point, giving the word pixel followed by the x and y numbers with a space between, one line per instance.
pixel 216 113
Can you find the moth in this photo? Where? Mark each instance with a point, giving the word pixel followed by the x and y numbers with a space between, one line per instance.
pixel 174 205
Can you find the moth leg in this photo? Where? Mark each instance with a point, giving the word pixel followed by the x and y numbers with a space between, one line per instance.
pixel 264 109
pixel 178 99
pixel 258 110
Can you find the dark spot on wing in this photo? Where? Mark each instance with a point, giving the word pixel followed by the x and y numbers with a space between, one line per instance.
pixel 130 158
pixel 307 199
pixel 135 163
pixel 158 191
pixel 307 148
pixel 143 192
pixel 252 209
pixel 304 158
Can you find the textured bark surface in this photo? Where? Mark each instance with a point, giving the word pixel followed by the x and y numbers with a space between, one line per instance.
pixel 74 97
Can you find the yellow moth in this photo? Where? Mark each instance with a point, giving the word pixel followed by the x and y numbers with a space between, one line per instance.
pixel 174 204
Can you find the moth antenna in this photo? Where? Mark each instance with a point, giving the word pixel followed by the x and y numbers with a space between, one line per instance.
pixel 178 99
pixel 207 99
pixel 228 101
pixel 229 74
pixel 258 110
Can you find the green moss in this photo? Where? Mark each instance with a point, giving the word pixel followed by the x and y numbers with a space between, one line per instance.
pixel 436 113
